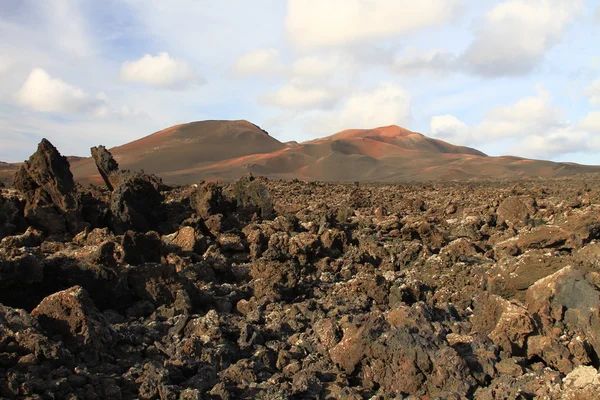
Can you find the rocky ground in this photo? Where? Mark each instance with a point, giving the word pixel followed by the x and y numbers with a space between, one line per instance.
pixel 296 290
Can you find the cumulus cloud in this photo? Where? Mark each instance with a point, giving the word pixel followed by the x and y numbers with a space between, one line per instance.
pixel 534 122
pixel 435 61
pixel 315 23
pixel 451 129
pixel 593 92
pixel 42 93
pixel 298 95
pixel 387 104
pixel 527 116
pixel 258 62
pixel 160 71
pixel 315 66
pixel 516 34
pixel 564 140
pixel 591 122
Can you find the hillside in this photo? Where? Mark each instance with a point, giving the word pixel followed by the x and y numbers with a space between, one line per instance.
pixel 225 150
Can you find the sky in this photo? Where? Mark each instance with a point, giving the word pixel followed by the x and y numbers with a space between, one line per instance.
pixel 519 77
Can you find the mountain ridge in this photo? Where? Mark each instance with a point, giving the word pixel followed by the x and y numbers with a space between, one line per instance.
pixel 225 150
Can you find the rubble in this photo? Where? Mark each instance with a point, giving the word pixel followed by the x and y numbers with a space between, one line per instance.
pixel 273 289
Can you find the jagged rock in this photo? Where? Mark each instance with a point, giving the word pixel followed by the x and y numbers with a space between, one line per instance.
pixel 207 199
pixel 140 248
pixel 12 219
pixel 136 204
pixel 95 268
pixel 571 297
pixel 547 237
pixel 52 201
pixel 154 282
pixel 581 383
pixel 18 274
pixel 274 281
pixel 516 211
pixel 506 323
pixel 187 240
pixel 107 166
pixel 22 336
pixel 252 196
pixel 72 314
pixel 512 276
pixel 427 366
pixel 31 238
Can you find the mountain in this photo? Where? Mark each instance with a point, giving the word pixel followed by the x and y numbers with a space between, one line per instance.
pixel 225 150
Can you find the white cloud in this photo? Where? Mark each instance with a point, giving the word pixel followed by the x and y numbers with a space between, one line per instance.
pixel 593 92
pixel 597 15
pixel 297 95
pixel 516 34
pixel 258 62
pixel 560 141
pixel 451 129
pixel 388 104
pixel 414 62
pixel 534 123
pixel 316 23
pixel 530 115
pixel 591 122
pixel 42 93
pixel 315 66
pixel 161 71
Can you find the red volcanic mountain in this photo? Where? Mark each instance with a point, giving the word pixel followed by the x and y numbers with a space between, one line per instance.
pixel 225 150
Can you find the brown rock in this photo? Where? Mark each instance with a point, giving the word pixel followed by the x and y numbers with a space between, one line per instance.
pixel 516 211
pixel 187 240
pixel 567 296
pixel 107 166
pixel 207 199
pixel 52 202
pixel 513 327
pixel 72 314
pixel 136 204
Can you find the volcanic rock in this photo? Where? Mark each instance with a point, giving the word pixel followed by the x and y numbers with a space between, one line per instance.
pixel 516 211
pixel 107 166
pixel 252 196
pixel 52 201
pixel 207 199
pixel 136 204
pixel 72 315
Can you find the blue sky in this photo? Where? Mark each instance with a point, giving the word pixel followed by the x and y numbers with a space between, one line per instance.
pixel 517 77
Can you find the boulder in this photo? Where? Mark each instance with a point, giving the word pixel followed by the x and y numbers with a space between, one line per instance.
pixel 252 196
pixel 72 315
pixel 516 211
pixel 136 204
pixel 140 248
pixel 207 199
pixel 187 240
pixel 52 200
pixel 12 218
pixel 571 298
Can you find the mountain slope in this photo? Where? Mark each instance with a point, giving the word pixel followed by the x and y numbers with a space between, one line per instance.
pixel 225 150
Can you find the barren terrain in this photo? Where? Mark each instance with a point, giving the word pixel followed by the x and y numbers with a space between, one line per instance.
pixel 269 289
pixel 226 150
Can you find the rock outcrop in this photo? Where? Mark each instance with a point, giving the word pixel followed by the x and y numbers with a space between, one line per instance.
pixel 53 203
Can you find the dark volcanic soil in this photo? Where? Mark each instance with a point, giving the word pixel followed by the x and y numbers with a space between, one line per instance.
pixel 291 290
